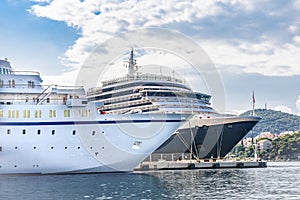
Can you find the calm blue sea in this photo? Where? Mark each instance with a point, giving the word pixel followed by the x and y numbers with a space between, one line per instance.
pixel 278 181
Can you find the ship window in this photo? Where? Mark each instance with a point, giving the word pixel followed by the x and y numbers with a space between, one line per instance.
pixel 8 131
pixel 52 147
pixel 53 132
pixel 1 83
pixel 77 148
pixel 34 147
pixel 52 113
pixel 26 113
pixel 74 132
pixel 13 83
pixel 37 113
pixel 66 147
pixel 1 113
pixel 66 113
pixel 38 131
pixel 27 99
pixel 30 84
pixel 0 150
pixel 16 147
pixel 94 132
pixel 9 83
pixel 48 100
pixel 24 131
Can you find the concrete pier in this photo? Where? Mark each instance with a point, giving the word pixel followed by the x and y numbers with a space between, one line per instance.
pixel 193 164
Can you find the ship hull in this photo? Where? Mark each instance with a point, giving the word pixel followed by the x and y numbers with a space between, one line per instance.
pixel 210 139
pixel 105 143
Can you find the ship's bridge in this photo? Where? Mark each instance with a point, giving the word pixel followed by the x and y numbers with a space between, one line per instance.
pixel 18 81
pixel 5 67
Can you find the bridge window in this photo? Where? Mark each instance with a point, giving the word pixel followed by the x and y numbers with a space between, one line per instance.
pixel 30 84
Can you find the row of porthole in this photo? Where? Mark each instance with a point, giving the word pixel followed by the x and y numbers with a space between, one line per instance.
pixel 53 147
pixel 38 132
pixel 50 147
pixel 17 166
pixel 52 132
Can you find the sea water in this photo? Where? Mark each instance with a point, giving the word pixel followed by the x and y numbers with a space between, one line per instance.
pixel 280 180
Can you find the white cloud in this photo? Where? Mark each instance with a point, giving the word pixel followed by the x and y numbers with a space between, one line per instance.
pixel 293 28
pixel 297 3
pixel 101 20
pixel 296 39
pixel 284 109
pixel 118 16
pixel 298 105
pixel 264 58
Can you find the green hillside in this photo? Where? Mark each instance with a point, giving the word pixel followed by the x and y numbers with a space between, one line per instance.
pixel 274 122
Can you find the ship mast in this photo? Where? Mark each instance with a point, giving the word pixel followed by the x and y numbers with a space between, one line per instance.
pixel 132 66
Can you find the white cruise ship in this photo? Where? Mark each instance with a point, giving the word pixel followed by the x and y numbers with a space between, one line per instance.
pixel 56 129
pixel 207 134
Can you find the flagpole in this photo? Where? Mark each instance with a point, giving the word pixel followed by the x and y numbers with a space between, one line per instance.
pixel 253 103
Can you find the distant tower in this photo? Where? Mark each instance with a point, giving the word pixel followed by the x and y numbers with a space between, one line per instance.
pixel 266 108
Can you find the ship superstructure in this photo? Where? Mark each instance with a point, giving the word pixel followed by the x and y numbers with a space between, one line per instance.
pixel 56 129
pixel 148 93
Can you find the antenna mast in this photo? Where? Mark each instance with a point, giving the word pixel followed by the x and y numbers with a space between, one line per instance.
pixel 132 67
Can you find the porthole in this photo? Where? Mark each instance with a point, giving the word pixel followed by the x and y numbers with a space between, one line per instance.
pixel 8 131
pixel 66 147
pixel 53 132
pixel 34 147
pixel 15 166
pixel 91 147
pixel 94 132
pixel 39 132
pixel 24 131
pixel 16 147
pixel 52 147
pixel 74 132
pixel 78 147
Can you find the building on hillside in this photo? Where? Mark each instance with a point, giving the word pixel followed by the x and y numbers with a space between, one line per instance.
pixel 268 135
pixel 264 145
pixel 286 133
pixel 248 142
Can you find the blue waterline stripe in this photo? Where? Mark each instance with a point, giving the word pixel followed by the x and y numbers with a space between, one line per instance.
pixel 82 122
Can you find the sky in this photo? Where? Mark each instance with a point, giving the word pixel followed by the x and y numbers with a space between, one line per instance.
pixel 255 45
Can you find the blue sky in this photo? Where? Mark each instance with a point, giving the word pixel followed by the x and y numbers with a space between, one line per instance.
pixel 254 44
pixel 30 42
